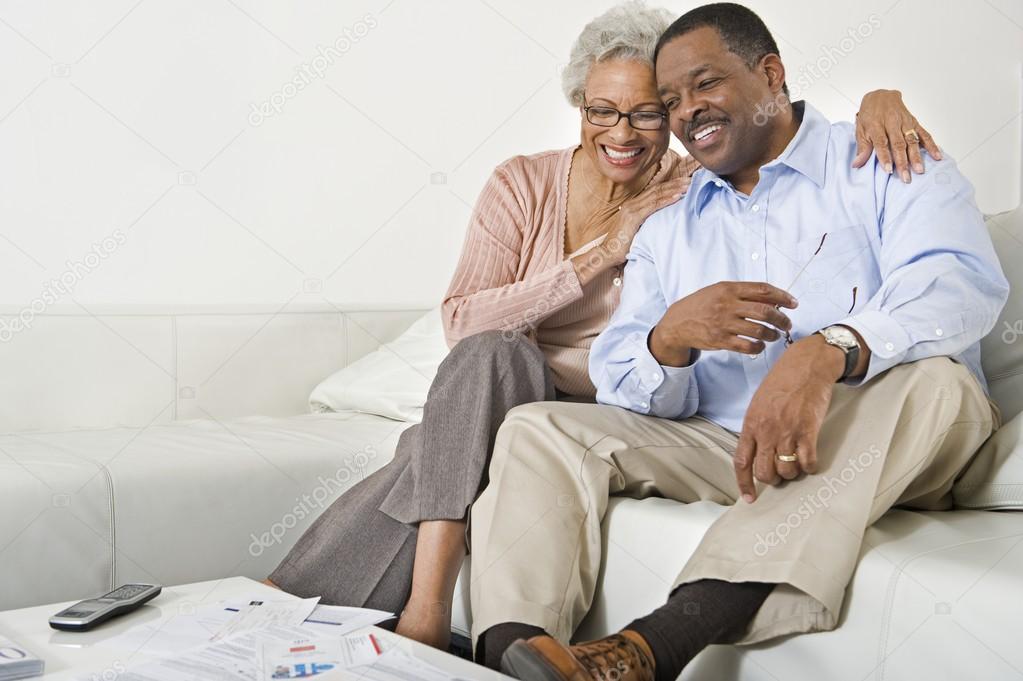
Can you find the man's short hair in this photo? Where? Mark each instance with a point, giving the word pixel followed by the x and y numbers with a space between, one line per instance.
pixel 743 32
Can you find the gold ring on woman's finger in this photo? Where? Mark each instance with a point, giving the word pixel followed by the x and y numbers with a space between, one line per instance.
pixel 911 136
pixel 786 458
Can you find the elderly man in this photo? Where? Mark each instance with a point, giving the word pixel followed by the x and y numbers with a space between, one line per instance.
pixel 861 390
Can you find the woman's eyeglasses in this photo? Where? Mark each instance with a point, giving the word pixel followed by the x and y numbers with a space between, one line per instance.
pixel 606 117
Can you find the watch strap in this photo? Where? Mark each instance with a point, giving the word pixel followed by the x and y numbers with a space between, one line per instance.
pixel 852 357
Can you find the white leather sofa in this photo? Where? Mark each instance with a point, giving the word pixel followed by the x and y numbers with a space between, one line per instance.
pixel 144 444
pixel 177 446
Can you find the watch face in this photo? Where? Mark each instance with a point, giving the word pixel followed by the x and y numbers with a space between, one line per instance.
pixel 839 335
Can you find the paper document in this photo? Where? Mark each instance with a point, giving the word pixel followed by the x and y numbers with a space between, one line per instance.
pixel 193 626
pixel 305 657
pixel 260 614
pixel 335 620
pixel 241 657
pixel 397 665
pixel 189 627
pixel 235 658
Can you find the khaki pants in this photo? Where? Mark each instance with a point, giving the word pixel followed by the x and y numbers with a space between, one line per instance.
pixel 536 530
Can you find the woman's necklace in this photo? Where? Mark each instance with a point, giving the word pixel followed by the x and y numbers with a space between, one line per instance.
pixel 605 210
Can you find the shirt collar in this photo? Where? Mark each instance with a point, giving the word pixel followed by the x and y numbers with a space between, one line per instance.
pixel 806 153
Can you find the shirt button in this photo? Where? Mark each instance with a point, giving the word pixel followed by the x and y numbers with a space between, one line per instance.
pixel 655 377
pixel 644 405
pixel 889 346
pixel 719 183
pixel 752 356
pixel 755 256
pixel 755 208
pixel 939 332
pixel 617 281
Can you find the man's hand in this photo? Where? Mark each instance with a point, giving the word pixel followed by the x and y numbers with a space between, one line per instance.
pixel 785 415
pixel 717 317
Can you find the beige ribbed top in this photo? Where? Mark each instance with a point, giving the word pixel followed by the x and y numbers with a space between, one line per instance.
pixel 514 273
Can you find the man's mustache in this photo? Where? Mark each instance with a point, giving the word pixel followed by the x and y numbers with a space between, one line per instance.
pixel 698 123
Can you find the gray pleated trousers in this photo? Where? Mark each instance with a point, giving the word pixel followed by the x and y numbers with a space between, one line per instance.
pixel 360 552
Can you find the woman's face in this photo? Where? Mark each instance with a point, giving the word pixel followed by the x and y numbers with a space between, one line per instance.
pixel 622 153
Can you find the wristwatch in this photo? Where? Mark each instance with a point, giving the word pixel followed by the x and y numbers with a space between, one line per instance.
pixel 843 338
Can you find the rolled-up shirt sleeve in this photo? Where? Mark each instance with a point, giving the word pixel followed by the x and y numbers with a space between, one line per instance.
pixel 622 368
pixel 943 287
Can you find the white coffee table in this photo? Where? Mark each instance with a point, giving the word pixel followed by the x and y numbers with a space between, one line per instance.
pixel 71 654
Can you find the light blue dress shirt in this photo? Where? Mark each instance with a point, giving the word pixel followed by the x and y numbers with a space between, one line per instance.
pixel 910 267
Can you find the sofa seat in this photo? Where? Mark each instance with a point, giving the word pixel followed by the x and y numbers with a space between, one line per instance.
pixel 204 499
pixel 86 510
pixel 935 596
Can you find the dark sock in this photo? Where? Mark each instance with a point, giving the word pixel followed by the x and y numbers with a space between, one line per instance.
pixel 697 615
pixel 494 641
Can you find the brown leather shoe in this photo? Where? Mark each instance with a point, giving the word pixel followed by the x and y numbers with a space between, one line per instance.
pixel 622 657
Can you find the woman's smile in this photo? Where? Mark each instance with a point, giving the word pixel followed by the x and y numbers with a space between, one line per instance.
pixel 621 156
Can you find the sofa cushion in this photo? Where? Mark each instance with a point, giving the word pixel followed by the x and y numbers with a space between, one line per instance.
pixel 56 524
pixel 171 503
pixel 393 380
pixel 1002 349
pixel 994 479
pixel 927 600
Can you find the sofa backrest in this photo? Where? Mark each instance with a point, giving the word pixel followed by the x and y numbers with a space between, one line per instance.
pixel 132 367
pixel 1002 349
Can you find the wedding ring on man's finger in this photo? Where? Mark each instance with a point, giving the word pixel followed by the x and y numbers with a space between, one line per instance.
pixel 911 136
pixel 786 458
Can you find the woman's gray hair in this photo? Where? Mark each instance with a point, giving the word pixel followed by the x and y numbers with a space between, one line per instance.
pixel 626 31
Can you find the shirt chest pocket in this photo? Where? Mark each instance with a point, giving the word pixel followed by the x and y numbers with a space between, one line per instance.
pixel 831 244
pixel 839 274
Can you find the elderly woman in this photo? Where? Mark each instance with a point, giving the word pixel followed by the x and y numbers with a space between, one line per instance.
pixel 539 278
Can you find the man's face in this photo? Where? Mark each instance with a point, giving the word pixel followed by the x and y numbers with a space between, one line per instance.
pixel 712 99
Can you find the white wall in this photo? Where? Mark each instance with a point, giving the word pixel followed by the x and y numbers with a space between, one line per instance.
pixel 132 121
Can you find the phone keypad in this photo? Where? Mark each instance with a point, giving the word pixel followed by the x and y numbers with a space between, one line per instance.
pixel 127 591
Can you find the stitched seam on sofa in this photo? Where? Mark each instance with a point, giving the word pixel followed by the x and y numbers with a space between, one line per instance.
pixel 999 495
pixel 332 416
pixel 326 311
pixel 346 333
pixel 1004 374
pixel 993 485
pixel 109 482
pixel 177 366
pixel 900 569
pixel 742 565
